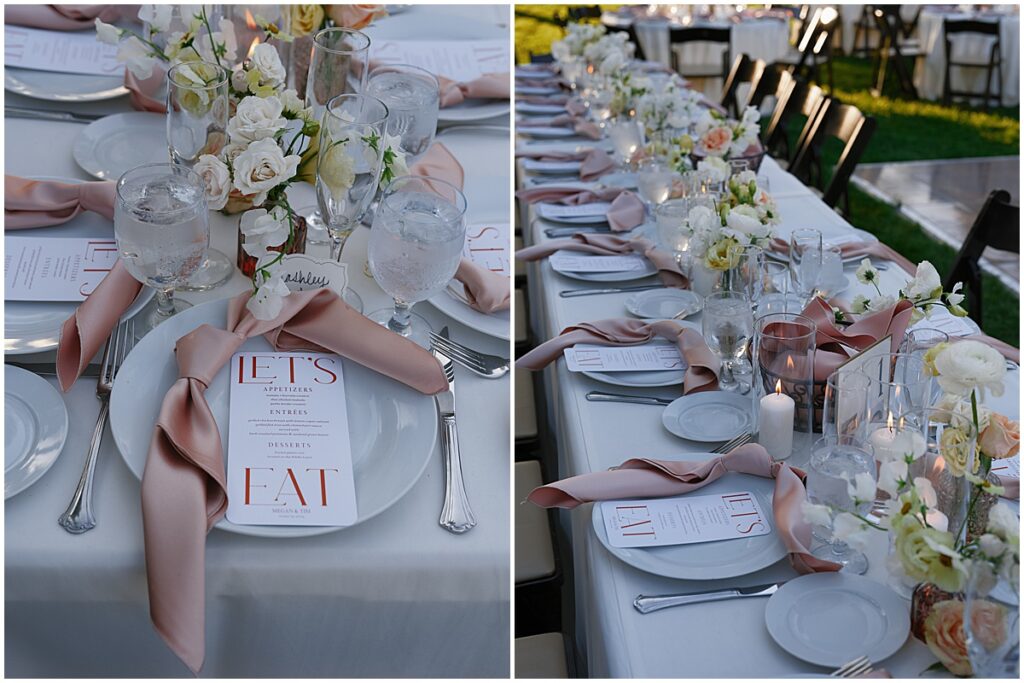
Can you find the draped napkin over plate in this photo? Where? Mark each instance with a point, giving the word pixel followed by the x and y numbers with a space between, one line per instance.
pixel 594 163
pixel 494 86
pixel 184 483
pixel 486 291
pixel 578 124
pixel 647 478
pixel 609 245
pixel 43 203
pixel 857 249
pixel 701 375
pixel 625 213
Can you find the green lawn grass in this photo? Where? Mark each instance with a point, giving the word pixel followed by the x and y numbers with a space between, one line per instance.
pixel 907 130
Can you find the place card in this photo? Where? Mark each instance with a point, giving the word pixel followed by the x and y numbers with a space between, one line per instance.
pixel 644 357
pixel 64 51
pixel 597 210
pixel 55 268
pixel 487 246
pixel 1007 467
pixel 567 261
pixel 458 60
pixel 289 458
pixel 683 520
pixel 302 272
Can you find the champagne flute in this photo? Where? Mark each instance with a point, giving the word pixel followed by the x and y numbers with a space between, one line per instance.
pixel 349 163
pixel 805 261
pixel 162 228
pixel 728 326
pixel 412 96
pixel 415 247
pixel 747 272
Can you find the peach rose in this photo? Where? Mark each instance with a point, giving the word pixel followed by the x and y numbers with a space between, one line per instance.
pixel 988 624
pixel 944 636
pixel 1001 439
pixel 355 16
pixel 716 141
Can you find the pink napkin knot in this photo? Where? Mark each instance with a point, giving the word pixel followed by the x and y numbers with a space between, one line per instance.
pixel 493 86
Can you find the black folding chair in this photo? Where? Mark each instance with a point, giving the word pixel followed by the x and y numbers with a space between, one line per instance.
pixel 767 84
pixel 893 50
pixel 997 226
pixel 795 98
pixel 744 70
pixel 951 29
pixel 862 32
pixel 814 48
pixel 580 12
pixel 700 34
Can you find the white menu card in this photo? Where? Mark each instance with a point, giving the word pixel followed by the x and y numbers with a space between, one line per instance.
pixel 597 210
pixel 289 458
pixel 65 51
pixel 1007 467
pixel 458 60
pixel 567 260
pixel 55 268
pixel 644 357
pixel 487 246
pixel 684 519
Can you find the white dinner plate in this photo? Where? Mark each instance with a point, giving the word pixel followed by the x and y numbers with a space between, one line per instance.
pixel 35 428
pixel 393 429
pixel 715 559
pixel 114 144
pixel 545 132
pixel 661 304
pixel 63 87
pixel 709 416
pixel 831 618
pixel 533 90
pixel 34 326
pixel 644 378
pixel 623 276
pixel 551 167
pixel 536 108
pixel 544 211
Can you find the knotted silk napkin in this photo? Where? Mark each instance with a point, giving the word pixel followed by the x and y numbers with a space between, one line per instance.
pixel 856 250
pixel 184 485
pixel 486 291
pixel 625 213
pixel 594 163
pixel 701 375
pixel 647 478
pixel 579 125
pixel 493 86
pixel 65 17
pixel 833 342
pixel 608 245
pixel 42 203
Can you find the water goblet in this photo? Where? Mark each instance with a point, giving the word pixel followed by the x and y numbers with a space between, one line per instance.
pixel 412 96
pixel 415 247
pixel 162 228
pixel 655 181
pixel 626 138
pixel 728 326
pixel 747 272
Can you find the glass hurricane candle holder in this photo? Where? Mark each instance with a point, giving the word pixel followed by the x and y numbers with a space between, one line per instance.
pixel 783 385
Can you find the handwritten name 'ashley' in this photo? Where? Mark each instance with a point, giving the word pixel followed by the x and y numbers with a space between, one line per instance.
pixel 286 369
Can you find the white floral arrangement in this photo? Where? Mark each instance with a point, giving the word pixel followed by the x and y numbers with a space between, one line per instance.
pixel 672 108
pixel 610 52
pixel 725 138
pixel 578 35
pixel 924 290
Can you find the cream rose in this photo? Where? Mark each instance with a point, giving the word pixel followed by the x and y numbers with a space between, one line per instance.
pixel 744 219
pixel 256 118
pixel 264 58
pixel 1001 439
pixel 217 178
pixel 306 19
pixel 262 167
pixel 968 365
pixel 355 16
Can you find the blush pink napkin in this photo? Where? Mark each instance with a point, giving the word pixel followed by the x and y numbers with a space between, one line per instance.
pixel 701 375
pixel 831 339
pixel 183 487
pixel 543 99
pixel 594 163
pixel 146 93
pixel 608 245
pixel 858 249
pixel 575 106
pixel 36 204
pixel 494 86
pixel 580 126
pixel 625 213
pixel 65 17
pixel 486 291
pixel 647 478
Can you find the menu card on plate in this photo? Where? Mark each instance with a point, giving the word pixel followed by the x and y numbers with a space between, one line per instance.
pixel 592 210
pixel 289 458
pixel 65 51
pixel 1007 467
pixel 55 268
pixel 487 246
pixel 644 357
pixel 458 60
pixel 683 520
pixel 570 261
pixel 552 166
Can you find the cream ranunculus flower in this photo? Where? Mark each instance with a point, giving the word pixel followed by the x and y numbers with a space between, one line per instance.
pixel 306 19
pixel 744 220
pixel 262 167
pixel 336 169
pixel 217 177
pixel 265 59
pixel 256 118
pixel 968 365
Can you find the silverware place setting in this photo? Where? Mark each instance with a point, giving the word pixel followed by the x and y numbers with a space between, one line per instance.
pixel 645 604
pixel 456 514
pixel 483 364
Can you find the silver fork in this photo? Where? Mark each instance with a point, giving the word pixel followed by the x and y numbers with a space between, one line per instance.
pixel 483 364
pixel 78 518
pixel 857 667
pixel 735 443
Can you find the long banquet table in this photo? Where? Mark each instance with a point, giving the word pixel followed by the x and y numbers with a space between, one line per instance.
pixel 718 639
pixel 395 596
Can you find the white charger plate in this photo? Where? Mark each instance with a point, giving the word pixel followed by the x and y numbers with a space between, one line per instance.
pixel 34 326
pixel 63 87
pixel 393 429
pixel 535 108
pixel 114 144
pixel 661 304
pixel 644 378
pixel 35 428
pixel 543 210
pixel 715 559
pixel 709 416
pixel 831 618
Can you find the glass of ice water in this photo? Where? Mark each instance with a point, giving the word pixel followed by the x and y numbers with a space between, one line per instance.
pixel 728 326
pixel 412 96
pixel 415 246
pixel 626 138
pixel 162 227
pixel 655 181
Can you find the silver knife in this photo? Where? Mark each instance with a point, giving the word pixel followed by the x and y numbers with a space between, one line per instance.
pixel 651 603
pixel 50 369
pixel 456 515
pixel 626 398
pixel 567 293
pixel 50 115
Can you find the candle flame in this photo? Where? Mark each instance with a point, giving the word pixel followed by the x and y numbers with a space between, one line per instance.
pixel 778 387
pixel 252 47
pixel 889 421
pixel 250 21
pixel 901 424
pixel 789 363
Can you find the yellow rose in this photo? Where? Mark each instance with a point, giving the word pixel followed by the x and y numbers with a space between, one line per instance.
pixel 721 255
pixel 955 448
pixel 306 19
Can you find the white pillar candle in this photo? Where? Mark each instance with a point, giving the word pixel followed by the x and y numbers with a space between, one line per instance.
pixel 775 423
pixel 895 443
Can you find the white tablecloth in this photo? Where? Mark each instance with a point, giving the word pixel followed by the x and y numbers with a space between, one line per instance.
pixel 702 640
pixel 396 596
pixel 973 48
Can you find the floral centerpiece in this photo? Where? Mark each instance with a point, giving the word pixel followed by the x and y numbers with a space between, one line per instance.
pixel 667 113
pixel 578 36
pixel 924 290
pixel 729 139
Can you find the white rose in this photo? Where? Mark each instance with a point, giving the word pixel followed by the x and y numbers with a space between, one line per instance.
pixel 262 167
pixel 256 118
pixel 136 57
pixel 263 230
pixel 231 152
pixel 267 302
pixel 744 220
pixel 157 16
pixel 238 80
pixel 291 102
pixel 818 515
pixel 217 178
pixel 106 33
pixel 265 59
pixel 967 365
pixel 926 283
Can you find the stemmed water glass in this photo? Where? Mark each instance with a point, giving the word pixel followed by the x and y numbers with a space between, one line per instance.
pixel 349 163
pixel 805 261
pixel 728 326
pixel 655 180
pixel 415 246
pixel 162 228
pixel 412 96
pixel 626 137
pixel 747 272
